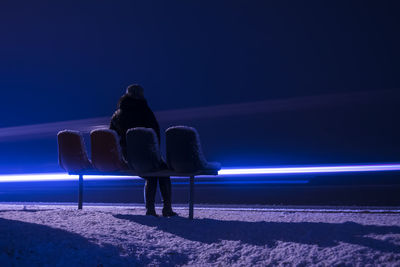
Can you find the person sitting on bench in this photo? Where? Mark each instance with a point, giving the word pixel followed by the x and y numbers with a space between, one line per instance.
pixel 133 111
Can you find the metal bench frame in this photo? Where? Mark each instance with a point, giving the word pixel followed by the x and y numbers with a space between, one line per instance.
pixel 164 173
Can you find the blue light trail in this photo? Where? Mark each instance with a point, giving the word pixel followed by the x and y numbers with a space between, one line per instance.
pixel 310 169
pixel 224 172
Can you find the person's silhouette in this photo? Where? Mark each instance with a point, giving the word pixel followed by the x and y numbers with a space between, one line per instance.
pixel 132 112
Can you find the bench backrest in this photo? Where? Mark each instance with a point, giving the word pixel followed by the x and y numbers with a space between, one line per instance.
pixel 184 153
pixel 143 150
pixel 72 153
pixel 106 151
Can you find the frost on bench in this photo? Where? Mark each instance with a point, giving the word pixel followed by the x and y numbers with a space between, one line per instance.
pixel 143 150
pixel 184 153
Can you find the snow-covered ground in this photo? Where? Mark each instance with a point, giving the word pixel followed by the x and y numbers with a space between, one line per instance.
pixel 51 235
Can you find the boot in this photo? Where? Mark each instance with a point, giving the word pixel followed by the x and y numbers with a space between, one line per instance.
pixel 151 213
pixel 165 188
pixel 150 190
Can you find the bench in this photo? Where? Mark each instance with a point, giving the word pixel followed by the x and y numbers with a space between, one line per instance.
pixel 184 156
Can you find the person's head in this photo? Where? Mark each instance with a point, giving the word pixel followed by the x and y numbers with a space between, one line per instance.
pixel 135 91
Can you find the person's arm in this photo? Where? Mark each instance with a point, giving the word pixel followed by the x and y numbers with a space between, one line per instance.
pixel 114 125
pixel 151 122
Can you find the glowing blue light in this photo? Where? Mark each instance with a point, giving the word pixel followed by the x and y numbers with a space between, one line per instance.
pixel 310 169
pixel 245 182
pixel 58 177
pixel 223 172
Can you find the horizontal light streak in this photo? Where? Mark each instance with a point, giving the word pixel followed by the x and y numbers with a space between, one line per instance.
pixel 58 177
pixel 224 182
pixel 223 172
pixel 27 132
pixel 310 169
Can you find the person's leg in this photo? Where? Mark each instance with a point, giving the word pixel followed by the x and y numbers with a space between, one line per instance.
pixel 165 188
pixel 150 190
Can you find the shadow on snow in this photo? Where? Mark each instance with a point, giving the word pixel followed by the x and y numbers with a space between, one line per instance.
pixel 27 244
pixel 268 233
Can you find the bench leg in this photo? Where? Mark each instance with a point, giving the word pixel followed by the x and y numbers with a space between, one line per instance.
pixel 80 197
pixel 191 200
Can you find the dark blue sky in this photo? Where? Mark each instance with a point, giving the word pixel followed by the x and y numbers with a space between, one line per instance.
pixel 60 55
pixel 63 60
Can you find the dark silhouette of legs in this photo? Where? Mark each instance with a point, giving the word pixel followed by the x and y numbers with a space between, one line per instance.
pixel 165 188
pixel 150 190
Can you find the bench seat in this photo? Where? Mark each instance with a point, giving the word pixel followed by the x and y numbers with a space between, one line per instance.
pixel 185 159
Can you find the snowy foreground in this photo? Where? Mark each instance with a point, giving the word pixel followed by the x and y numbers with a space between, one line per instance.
pixel 121 236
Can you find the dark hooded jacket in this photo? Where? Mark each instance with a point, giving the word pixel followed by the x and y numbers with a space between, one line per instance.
pixel 131 113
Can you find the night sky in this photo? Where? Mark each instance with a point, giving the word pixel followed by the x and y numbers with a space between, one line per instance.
pixel 67 60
